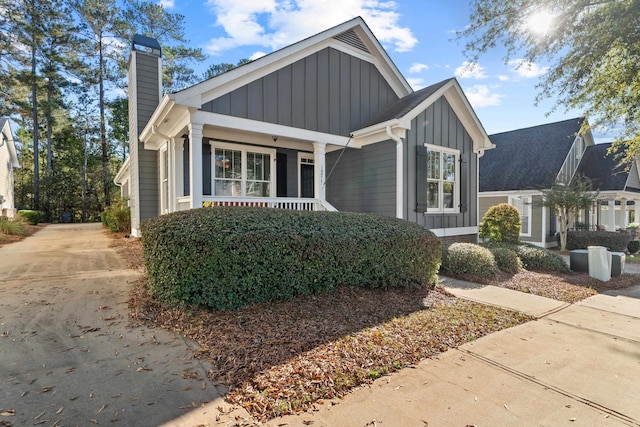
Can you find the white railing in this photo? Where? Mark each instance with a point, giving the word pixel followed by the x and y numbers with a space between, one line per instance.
pixel 291 203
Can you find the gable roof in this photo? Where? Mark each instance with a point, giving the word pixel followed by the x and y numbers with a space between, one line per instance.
pixel 7 136
pixel 529 158
pixel 400 114
pixel 603 169
pixel 353 36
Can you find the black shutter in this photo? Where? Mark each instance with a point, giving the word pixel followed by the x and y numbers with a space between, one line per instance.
pixel 421 179
pixel 464 182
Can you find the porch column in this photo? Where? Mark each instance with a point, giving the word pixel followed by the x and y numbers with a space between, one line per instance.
pixel 623 212
pixel 195 162
pixel 171 160
pixel 612 215
pixel 178 176
pixel 213 168
pixel 320 190
pixel 636 211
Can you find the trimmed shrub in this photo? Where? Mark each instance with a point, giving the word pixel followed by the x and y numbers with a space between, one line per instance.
pixel 501 224
pixel 633 246
pixel 612 240
pixel 536 258
pixel 117 218
pixel 468 259
pixel 228 257
pixel 32 217
pixel 507 259
pixel 12 226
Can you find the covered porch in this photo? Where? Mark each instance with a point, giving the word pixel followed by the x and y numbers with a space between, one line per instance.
pixel 612 211
pixel 207 159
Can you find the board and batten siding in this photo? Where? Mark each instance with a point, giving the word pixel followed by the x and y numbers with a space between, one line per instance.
pixel 363 180
pixel 148 97
pixel 438 125
pixel 328 91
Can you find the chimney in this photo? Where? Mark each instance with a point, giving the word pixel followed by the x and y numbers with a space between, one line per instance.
pixel 145 91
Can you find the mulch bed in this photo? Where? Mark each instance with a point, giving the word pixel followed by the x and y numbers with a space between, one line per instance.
pixel 566 287
pixel 285 357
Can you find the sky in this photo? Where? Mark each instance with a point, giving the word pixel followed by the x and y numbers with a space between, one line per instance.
pixel 418 35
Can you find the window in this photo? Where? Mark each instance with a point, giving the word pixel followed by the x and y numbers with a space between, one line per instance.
pixel 523 204
pixel 242 171
pixel 442 179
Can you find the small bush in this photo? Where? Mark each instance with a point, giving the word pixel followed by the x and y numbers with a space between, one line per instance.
pixel 467 259
pixel 32 217
pixel 12 226
pixel 613 240
pixel 633 246
pixel 117 218
pixel 228 257
pixel 501 224
pixel 538 259
pixel 507 259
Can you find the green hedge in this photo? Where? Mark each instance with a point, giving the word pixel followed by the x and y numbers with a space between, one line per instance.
pixel 33 217
pixel 227 257
pixel 633 246
pixel 613 240
pixel 507 259
pixel 535 258
pixel 468 259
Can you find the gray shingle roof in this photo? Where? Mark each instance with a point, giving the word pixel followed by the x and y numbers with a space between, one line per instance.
pixel 527 159
pixel 405 104
pixel 3 120
pixel 602 169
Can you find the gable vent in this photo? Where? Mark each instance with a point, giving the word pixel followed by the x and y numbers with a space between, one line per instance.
pixel 351 38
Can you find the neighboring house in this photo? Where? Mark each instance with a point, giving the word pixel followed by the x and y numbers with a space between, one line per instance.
pixel 328 123
pixel 8 162
pixel 526 161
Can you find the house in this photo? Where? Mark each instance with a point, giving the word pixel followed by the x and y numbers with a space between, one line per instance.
pixel 327 123
pixel 8 162
pixel 526 161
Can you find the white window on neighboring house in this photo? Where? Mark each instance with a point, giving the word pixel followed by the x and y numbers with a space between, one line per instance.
pixel 443 178
pixel 523 204
pixel 243 171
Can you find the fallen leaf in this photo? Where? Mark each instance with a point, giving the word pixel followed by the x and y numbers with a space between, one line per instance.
pixel 8 413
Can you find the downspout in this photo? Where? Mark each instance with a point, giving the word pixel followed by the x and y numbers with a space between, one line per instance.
pixel 399 173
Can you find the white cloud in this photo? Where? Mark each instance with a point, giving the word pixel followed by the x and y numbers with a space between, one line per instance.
pixel 418 67
pixel 277 23
pixel 470 70
pixel 526 69
pixel 416 83
pixel 257 55
pixel 503 78
pixel 167 4
pixel 481 96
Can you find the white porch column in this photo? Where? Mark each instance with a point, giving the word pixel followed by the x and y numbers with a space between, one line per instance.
pixel 171 160
pixel 195 162
pixel 320 190
pixel 623 212
pixel 636 211
pixel 178 175
pixel 612 215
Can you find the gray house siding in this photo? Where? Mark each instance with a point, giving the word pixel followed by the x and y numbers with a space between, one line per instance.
pixel 329 91
pixel 486 202
pixel 363 180
pixel 148 97
pixel 439 125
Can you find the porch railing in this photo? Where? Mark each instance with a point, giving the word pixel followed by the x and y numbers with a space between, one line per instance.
pixel 291 203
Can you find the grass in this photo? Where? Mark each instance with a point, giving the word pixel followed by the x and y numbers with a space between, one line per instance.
pixel 12 226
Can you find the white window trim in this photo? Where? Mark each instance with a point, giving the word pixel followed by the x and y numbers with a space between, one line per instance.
pixel 308 160
pixel 244 149
pixel 456 189
pixel 526 204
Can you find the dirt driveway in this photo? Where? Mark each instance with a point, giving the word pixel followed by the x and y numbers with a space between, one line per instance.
pixel 68 354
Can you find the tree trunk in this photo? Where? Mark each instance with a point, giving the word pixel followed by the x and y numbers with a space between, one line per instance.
pixel 103 133
pixel 34 100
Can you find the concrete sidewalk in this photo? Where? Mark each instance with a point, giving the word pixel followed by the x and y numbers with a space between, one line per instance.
pixel 576 365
